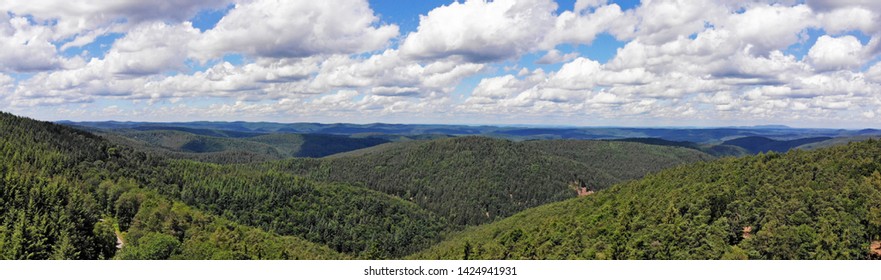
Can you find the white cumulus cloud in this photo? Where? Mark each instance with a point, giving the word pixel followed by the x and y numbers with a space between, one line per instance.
pixel 25 47
pixel 151 49
pixel 76 17
pixel 276 28
pixel 830 53
pixel 481 31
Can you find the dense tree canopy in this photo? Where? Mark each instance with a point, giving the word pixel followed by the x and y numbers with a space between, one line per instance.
pixel 69 194
pixel 823 204
pixel 222 146
pixel 473 180
pixel 354 220
pixel 66 194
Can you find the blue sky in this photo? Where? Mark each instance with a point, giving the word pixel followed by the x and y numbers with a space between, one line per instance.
pixel 589 62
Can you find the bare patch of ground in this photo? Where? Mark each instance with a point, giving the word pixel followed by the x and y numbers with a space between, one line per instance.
pixel 119 241
pixel 747 232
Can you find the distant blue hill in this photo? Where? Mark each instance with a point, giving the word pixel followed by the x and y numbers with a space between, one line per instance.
pixel 756 144
pixel 716 135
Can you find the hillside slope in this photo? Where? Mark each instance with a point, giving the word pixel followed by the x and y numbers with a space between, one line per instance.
pixel 220 146
pixel 352 220
pixel 715 150
pixel 756 144
pixel 823 204
pixel 68 194
pixel 837 141
pixel 474 180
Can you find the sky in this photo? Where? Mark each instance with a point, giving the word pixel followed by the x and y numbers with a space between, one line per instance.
pixel 810 63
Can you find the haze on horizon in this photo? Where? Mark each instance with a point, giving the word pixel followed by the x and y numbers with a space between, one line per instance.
pixel 704 63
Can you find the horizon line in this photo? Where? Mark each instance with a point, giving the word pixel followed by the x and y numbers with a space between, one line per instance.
pixel 522 125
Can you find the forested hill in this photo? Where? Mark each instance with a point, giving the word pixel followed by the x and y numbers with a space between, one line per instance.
pixel 836 142
pixel 222 146
pixel 68 194
pixel 473 180
pixel 822 204
pixel 719 150
pixel 756 144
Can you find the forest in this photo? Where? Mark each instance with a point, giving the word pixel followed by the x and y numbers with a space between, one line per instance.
pixel 821 204
pixel 70 192
pixel 473 180
pixel 223 146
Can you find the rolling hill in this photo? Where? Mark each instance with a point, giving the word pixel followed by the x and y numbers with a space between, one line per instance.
pixel 68 194
pixel 715 150
pixel 709 135
pixel 837 141
pixel 352 220
pixel 219 146
pixel 354 206
pixel 822 204
pixel 474 180
pixel 756 144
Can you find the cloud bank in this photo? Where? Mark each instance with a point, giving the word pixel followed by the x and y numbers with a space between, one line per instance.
pixel 706 62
